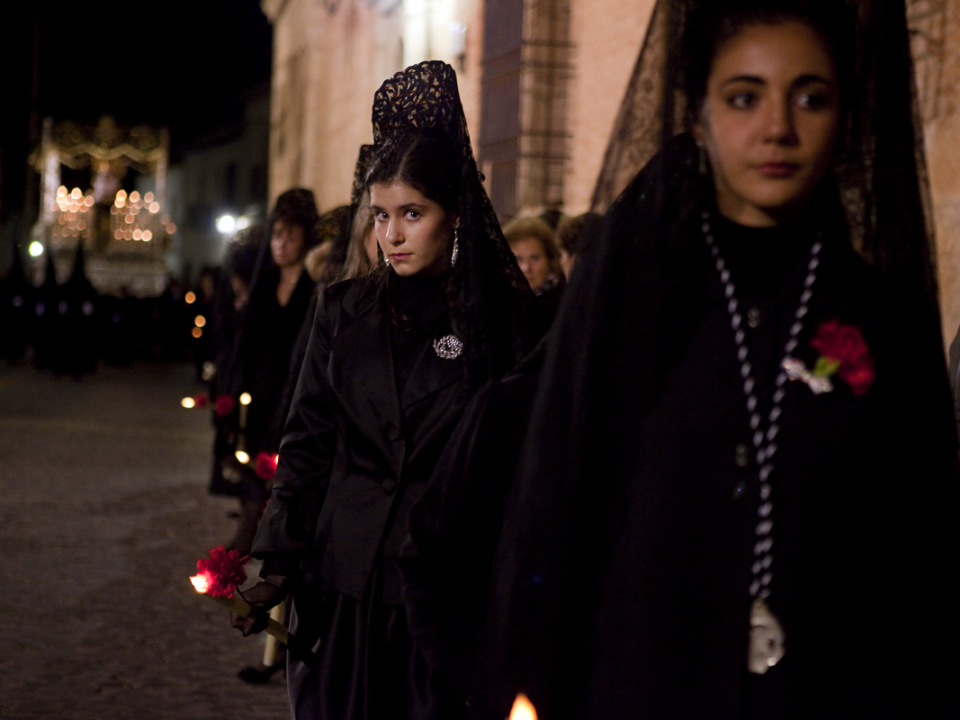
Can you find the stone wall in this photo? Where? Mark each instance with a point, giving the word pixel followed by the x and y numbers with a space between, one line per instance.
pixel 606 36
pixel 935 26
pixel 330 56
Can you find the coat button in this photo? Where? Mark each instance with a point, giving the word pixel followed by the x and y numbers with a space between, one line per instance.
pixel 389 486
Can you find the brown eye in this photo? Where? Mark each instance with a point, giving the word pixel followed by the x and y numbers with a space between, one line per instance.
pixel 813 101
pixel 742 101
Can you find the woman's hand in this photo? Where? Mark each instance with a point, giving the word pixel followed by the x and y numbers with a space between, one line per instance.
pixel 262 596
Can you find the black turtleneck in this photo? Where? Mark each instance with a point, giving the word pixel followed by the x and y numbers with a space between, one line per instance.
pixel 418 306
pixel 767 266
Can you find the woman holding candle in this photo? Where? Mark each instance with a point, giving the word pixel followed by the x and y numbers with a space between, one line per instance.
pixel 393 359
pixel 738 496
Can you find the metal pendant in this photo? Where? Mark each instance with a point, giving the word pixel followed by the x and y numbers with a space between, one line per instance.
pixel 766 639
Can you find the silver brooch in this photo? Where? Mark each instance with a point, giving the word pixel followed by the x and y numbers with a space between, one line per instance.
pixel 449 347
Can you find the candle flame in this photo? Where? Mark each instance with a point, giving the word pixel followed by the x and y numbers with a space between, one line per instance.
pixel 245 399
pixel 242 456
pixel 200 583
pixel 188 402
pixel 523 709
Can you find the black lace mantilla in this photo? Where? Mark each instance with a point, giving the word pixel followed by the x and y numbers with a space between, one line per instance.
pixel 495 298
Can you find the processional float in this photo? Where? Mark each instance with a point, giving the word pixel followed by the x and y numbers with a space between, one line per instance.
pixel 124 232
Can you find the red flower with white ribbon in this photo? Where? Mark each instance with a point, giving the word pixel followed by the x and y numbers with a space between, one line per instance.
pixel 843 352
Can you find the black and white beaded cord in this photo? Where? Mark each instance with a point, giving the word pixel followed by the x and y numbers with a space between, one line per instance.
pixel 764 434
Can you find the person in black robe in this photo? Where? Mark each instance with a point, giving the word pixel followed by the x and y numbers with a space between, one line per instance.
pixel 47 322
pixel 16 311
pixel 392 361
pixel 279 300
pixel 79 347
pixel 738 496
pixel 232 296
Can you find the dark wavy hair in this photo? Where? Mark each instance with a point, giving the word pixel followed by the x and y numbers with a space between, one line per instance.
pixel 426 161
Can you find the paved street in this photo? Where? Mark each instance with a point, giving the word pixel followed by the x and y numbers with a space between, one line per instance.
pixel 103 514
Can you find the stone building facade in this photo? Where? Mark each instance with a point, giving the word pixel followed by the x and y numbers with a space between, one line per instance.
pixel 540 87
pixel 541 83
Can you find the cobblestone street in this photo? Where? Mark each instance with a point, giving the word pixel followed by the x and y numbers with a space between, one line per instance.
pixel 103 514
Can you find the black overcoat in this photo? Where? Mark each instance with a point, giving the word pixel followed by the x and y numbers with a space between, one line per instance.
pixel 355 454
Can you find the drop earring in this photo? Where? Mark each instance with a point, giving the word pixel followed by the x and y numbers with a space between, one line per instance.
pixel 456 248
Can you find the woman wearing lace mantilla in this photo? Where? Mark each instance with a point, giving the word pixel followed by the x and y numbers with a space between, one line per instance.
pixel 392 361
pixel 738 496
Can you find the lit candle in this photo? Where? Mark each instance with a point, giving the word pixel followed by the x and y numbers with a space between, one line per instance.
pixel 241 607
pixel 523 709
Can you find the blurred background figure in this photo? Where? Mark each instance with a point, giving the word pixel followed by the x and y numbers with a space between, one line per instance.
pixel 569 232
pixel 16 309
pixel 77 308
pixel 533 244
pixel 279 298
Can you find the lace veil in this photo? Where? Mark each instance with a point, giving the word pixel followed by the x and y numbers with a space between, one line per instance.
pixel 494 297
pixel 881 176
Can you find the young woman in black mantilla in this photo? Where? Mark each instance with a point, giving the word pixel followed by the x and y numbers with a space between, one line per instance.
pixel 739 495
pixel 393 359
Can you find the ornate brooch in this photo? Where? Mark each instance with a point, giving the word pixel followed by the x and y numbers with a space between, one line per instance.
pixel 843 352
pixel 449 347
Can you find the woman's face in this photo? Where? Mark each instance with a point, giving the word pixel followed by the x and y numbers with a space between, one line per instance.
pixel 286 243
pixel 769 121
pixel 532 260
pixel 414 232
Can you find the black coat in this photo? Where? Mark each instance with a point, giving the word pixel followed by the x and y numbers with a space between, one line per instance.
pixel 355 456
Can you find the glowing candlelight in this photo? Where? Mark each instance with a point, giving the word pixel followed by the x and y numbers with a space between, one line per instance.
pixel 188 402
pixel 218 578
pixel 523 709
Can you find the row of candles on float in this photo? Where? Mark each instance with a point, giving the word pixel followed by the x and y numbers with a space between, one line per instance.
pixel 74 205
pixel 126 224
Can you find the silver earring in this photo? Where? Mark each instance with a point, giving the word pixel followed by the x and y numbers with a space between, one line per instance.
pixel 386 261
pixel 456 248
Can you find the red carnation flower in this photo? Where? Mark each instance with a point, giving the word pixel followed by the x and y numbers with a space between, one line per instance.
pixel 223 571
pixel 844 344
pixel 225 405
pixel 200 399
pixel 266 465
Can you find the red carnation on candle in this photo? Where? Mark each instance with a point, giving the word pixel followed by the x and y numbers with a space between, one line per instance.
pixel 200 399
pixel 843 346
pixel 222 572
pixel 224 405
pixel 266 465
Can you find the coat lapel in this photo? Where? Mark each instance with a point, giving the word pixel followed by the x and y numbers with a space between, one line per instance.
pixel 432 373
pixel 362 358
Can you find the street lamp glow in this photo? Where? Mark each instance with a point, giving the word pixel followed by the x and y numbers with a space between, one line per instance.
pixel 227 224
pixel 36 249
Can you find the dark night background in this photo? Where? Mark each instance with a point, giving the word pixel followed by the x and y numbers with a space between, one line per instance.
pixel 178 63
